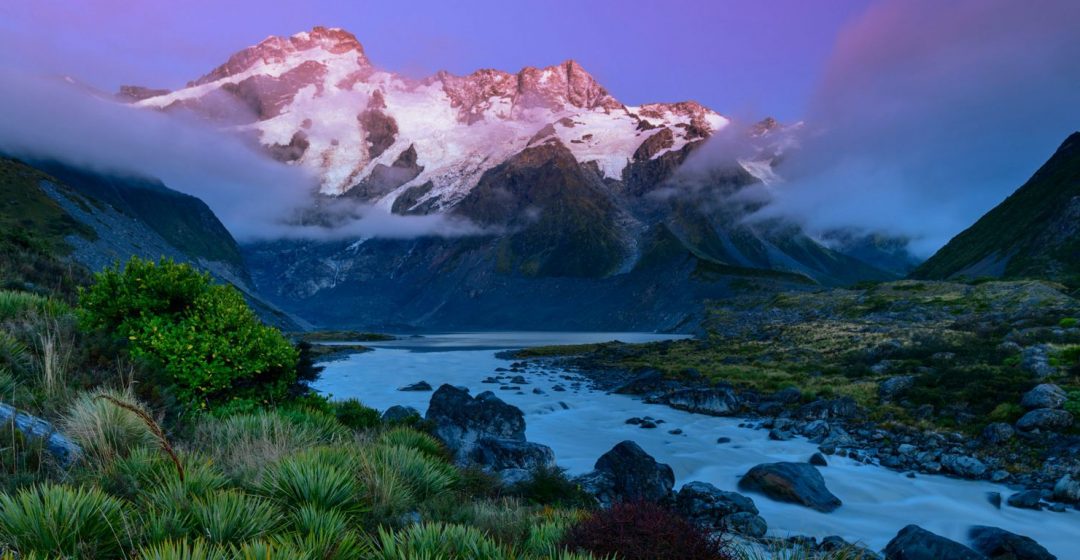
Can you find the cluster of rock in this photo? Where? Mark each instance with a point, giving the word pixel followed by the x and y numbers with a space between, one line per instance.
pixel 487 432
pixel 987 543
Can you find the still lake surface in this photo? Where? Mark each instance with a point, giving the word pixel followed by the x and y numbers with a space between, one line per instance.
pixel 580 424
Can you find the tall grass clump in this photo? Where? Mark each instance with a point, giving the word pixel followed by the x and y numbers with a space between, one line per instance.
pixel 244 444
pixel 196 549
pixel 413 439
pixel 325 534
pixel 104 430
pixel 61 521
pixel 19 305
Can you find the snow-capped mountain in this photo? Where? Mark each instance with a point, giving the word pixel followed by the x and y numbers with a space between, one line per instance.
pixel 590 218
pixel 315 99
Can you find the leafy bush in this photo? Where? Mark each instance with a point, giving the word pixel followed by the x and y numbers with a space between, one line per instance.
pixel 437 540
pixel 1073 403
pixel 643 531
pixel 106 431
pixel 355 415
pixel 54 520
pixel 1006 412
pixel 1069 322
pixel 212 348
pixel 232 517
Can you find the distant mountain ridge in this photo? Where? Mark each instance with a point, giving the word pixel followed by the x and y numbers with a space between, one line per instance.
pixel 580 197
pixel 1035 232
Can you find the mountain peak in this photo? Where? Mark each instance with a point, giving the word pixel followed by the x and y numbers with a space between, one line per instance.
pixel 275 49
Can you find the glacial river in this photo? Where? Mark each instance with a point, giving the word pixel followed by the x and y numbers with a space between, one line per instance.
pixel 580 425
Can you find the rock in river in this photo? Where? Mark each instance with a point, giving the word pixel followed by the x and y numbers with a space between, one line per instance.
pixel 418 386
pixel 628 473
pixel 716 402
pixel 711 507
pixel 915 543
pixel 999 544
pixel 398 413
pixel 799 483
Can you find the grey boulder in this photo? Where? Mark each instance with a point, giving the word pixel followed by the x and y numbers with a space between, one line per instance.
pixel 1046 395
pixel 915 543
pixel 798 483
pixel 999 544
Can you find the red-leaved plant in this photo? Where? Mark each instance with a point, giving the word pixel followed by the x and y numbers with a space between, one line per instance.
pixel 644 531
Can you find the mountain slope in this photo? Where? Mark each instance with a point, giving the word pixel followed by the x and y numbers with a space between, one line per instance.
pixel 1035 232
pixel 59 223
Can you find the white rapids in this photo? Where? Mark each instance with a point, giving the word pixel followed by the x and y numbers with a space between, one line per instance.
pixel 877 502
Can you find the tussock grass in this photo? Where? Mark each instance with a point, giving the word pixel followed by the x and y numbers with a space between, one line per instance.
pixel 105 431
pixel 62 521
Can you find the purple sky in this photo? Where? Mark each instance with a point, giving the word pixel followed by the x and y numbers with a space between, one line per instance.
pixel 741 57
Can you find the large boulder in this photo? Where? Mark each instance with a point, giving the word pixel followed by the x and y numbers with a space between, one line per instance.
pixel 998 432
pixel 999 544
pixel 718 401
pixel 711 507
pixel 1036 360
pixel 1068 489
pixel 399 413
pixel 627 473
pixel 461 420
pixel 915 543
pixel 1046 395
pixel 799 483
pixel 1045 419
pixel 500 454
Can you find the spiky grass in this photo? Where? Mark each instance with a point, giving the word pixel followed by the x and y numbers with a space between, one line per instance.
pixel 55 520
pixel 181 550
pixel 408 437
pixel 233 517
pixel 243 444
pixel 425 475
pixel 305 481
pixel 104 430
pixel 437 540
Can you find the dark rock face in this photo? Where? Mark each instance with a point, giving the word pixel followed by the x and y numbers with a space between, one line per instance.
pixel 999 544
pixel 628 473
pixel 894 387
pixel 506 454
pixel 461 420
pixel 1046 395
pixel 915 543
pixel 998 432
pixel 1028 499
pixel 1068 489
pixel 715 402
pixel 711 507
pixel 418 386
pixel 798 483
pixel 398 413
pixel 844 407
pixel 1045 419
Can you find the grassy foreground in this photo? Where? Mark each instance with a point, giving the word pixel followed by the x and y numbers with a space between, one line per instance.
pixel 201 440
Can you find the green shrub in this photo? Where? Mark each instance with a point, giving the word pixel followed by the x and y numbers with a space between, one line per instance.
pixel 437 540
pixel 1073 403
pixel 1069 322
pixel 104 430
pixel 1006 412
pixel 549 486
pixel 305 481
pixel 232 517
pixel 355 415
pixel 210 345
pixel 54 520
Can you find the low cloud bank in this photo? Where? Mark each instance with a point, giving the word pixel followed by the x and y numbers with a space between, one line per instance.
pixel 255 196
pixel 931 113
